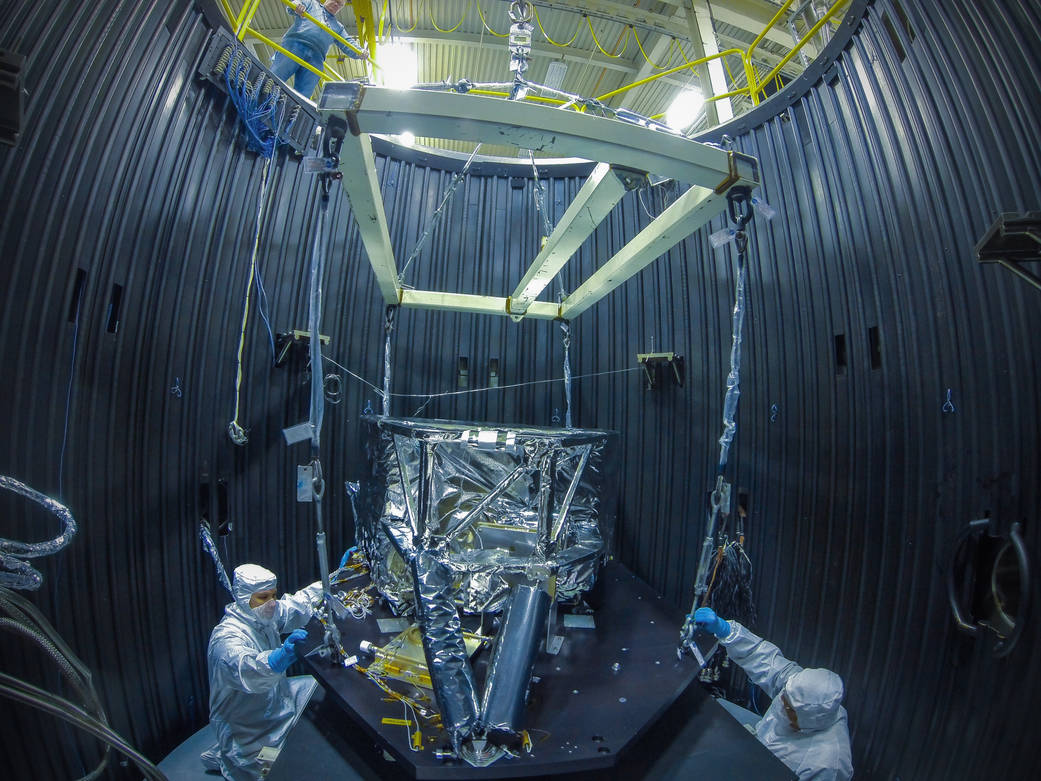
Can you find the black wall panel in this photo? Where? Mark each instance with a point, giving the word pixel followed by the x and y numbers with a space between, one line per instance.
pixel 885 173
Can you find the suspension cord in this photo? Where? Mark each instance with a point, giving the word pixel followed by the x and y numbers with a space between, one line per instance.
pixel 435 218
pixel 740 208
pixel 388 327
pixel 565 326
pixel 332 141
pixel 542 208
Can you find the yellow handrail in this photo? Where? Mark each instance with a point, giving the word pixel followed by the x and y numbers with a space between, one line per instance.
pixel 670 71
pixel 344 41
pixel 756 86
pixel 769 26
pixel 227 12
pixel 249 10
pixel 802 42
pixel 322 75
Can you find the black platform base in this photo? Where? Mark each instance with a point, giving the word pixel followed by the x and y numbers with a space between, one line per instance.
pixel 592 702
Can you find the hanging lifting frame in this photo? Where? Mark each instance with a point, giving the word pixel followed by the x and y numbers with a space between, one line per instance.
pixel 628 153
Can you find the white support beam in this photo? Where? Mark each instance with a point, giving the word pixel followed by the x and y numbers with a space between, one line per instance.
pixel 363 190
pixel 565 133
pixel 688 213
pixel 598 196
pixel 713 79
pixel 464 302
pixel 712 172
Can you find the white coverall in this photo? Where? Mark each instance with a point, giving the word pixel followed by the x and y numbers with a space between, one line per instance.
pixel 251 705
pixel 819 749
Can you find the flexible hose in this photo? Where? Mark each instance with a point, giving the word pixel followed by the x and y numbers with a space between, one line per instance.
pixel 20 574
pixel 58 706
pixel 48 648
pixel 25 619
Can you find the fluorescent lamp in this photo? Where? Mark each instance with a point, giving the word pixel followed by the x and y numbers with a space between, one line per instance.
pixel 408 138
pixel 399 66
pixel 684 109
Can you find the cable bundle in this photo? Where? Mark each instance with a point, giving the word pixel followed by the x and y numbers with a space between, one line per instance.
pixel 256 103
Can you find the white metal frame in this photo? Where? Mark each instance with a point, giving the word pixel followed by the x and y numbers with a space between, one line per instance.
pixel 628 153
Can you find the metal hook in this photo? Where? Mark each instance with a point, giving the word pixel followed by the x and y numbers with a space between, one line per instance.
pixel 739 202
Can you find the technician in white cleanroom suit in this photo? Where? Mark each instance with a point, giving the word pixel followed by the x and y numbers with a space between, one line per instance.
pixel 805 725
pixel 252 702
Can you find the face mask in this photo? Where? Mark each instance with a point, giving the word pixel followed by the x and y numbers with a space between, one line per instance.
pixel 266 611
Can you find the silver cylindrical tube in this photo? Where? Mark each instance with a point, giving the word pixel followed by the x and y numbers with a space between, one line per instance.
pixel 516 646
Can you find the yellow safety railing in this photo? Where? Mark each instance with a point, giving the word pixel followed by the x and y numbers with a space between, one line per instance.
pixel 670 71
pixel 240 25
pixel 760 85
pixel 755 86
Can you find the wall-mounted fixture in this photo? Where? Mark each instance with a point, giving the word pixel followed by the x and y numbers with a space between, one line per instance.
pixel 988 584
pixel 659 368
pixel 295 341
pixel 462 372
pixel 1013 239
pixel 11 65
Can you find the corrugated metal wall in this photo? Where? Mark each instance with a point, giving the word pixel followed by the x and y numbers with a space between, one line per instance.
pixel 885 175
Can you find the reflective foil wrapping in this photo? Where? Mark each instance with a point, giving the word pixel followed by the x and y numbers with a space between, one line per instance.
pixel 453 514
pixel 516 646
pixel 443 645
pixel 482 513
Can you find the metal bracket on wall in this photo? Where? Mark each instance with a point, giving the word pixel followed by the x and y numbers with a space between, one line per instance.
pixel 1012 240
pixel 294 340
pixel 657 366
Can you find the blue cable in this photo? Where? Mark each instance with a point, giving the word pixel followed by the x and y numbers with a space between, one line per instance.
pixel 259 134
pixel 261 307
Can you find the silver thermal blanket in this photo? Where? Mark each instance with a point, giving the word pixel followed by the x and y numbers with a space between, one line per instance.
pixel 453 515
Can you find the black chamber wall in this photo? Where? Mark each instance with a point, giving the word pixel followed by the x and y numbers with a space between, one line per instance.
pixel 130 172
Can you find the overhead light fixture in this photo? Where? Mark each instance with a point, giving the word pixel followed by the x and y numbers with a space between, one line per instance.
pixel 684 109
pixel 399 66
pixel 408 138
pixel 555 74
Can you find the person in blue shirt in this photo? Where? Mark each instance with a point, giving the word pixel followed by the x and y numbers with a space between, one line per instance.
pixel 310 43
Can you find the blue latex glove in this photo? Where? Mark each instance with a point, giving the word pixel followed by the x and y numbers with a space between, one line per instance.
pixel 281 658
pixel 347 557
pixel 706 618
